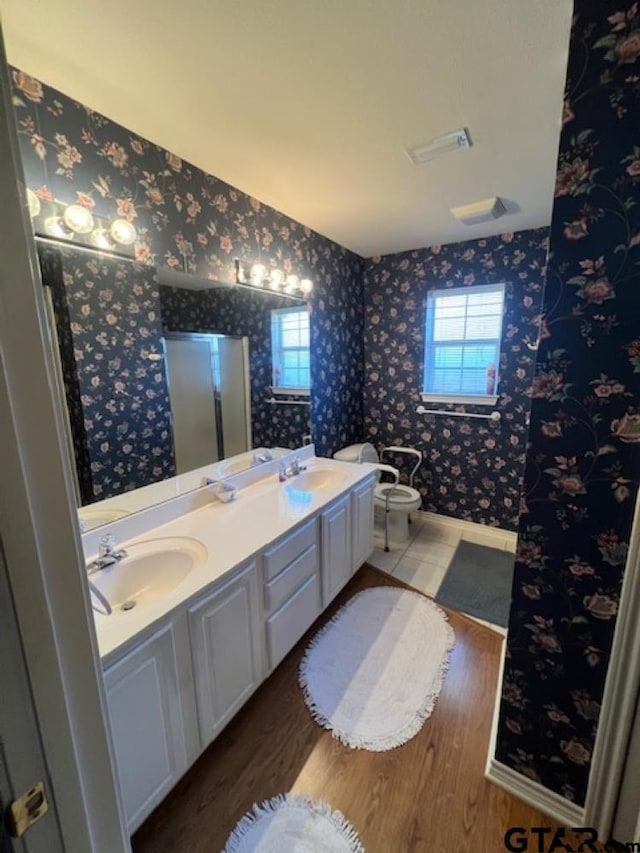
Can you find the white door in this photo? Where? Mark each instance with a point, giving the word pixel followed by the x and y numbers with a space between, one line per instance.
pixel 22 761
pixel 234 398
pixel 44 601
pixel 192 396
pixel 626 825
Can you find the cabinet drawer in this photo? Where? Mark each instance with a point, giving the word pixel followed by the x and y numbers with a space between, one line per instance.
pixel 277 558
pixel 288 624
pixel 287 582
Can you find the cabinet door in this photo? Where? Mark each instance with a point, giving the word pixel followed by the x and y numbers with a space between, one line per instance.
pixel 146 720
pixel 226 655
pixel 336 548
pixel 362 524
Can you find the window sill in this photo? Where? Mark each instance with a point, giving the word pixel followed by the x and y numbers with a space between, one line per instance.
pixel 299 392
pixel 461 399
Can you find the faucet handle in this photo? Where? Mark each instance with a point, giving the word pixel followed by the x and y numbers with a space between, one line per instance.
pixel 106 545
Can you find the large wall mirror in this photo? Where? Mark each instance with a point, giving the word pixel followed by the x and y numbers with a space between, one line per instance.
pixel 163 380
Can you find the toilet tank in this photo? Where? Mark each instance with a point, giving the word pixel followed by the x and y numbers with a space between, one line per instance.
pixel 364 452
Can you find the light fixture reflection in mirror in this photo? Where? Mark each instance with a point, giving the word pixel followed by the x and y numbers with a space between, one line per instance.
pixel 78 219
pixel 54 226
pixel 77 224
pixel 33 203
pixel 100 239
pixel 123 232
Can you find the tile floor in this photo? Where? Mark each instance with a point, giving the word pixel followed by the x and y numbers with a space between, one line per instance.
pixel 423 561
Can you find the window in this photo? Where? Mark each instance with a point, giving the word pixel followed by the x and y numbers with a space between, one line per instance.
pixel 462 343
pixel 290 350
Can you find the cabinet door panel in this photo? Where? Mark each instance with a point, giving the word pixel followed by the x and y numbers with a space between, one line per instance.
pixel 226 660
pixel 336 548
pixel 147 724
pixel 362 524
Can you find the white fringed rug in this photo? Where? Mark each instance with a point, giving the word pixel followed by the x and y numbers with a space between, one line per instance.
pixel 293 824
pixel 373 673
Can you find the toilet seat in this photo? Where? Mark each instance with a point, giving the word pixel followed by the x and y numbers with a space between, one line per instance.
pixel 400 497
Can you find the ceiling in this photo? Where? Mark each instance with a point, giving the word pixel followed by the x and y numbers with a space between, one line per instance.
pixel 309 105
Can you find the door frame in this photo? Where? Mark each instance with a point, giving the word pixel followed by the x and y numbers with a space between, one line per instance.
pixel 41 537
pixel 620 697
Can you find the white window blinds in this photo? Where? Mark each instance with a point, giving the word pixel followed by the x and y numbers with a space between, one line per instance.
pixel 290 347
pixel 462 340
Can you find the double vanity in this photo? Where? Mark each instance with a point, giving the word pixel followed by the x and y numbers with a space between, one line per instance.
pixel 208 599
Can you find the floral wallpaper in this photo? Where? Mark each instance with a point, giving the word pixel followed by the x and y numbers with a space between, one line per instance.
pixel 231 311
pixel 108 324
pixel 192 222
pixel 472 468
pixel 583 463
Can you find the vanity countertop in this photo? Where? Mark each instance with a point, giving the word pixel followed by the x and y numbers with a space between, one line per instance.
pixel 232 533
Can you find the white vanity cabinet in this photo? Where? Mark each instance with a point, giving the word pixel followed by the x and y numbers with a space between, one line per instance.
pixel 147 723
pixel 291 580
pixel 362 523
pixel 186 675
pixel 226 650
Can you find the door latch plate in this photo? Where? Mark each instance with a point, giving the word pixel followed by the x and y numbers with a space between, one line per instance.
pixel 25 810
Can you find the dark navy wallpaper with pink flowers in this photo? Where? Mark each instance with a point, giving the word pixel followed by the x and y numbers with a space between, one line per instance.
pixel 583 462
pixel 109 329
pixel 472 468
pixel 192 222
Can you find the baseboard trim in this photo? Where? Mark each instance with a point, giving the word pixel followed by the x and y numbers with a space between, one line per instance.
pixel 548 802
pixel 471 531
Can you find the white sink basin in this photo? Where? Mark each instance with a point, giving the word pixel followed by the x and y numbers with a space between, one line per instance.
pixel 151 570
pixel 91 518
pixel 317 479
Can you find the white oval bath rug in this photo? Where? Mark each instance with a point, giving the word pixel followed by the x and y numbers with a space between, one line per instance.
pixel 373 673
pixel 293 824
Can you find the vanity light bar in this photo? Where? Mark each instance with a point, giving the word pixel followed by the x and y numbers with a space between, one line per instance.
pixel 258 276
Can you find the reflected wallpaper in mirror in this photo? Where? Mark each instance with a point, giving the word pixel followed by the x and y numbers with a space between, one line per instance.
pixel 112 319
pixel 195 224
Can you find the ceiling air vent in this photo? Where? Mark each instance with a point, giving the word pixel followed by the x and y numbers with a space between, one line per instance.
pixel 479 211
pixel 425 151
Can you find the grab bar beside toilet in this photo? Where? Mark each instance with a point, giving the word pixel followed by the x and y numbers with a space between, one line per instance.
pixel 409 451
pixel 396 479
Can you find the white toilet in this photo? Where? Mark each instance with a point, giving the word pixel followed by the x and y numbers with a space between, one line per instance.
pixel 393 502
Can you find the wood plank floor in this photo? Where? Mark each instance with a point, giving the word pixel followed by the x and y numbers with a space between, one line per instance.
pixel 428 795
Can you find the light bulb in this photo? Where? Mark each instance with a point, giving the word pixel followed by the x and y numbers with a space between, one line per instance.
pixel 100 238
pixel 78 219
pixel 276 278
pixel 55 227
pixel 257 274
pixel 123 232
pixel 306 286
pixel 293 283
pixel 33 203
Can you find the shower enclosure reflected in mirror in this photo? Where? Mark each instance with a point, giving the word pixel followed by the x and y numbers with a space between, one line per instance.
pixel 208 377
pixel 160 379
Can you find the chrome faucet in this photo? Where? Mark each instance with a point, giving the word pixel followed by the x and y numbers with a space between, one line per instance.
pixel 108 554
pixel 295 468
